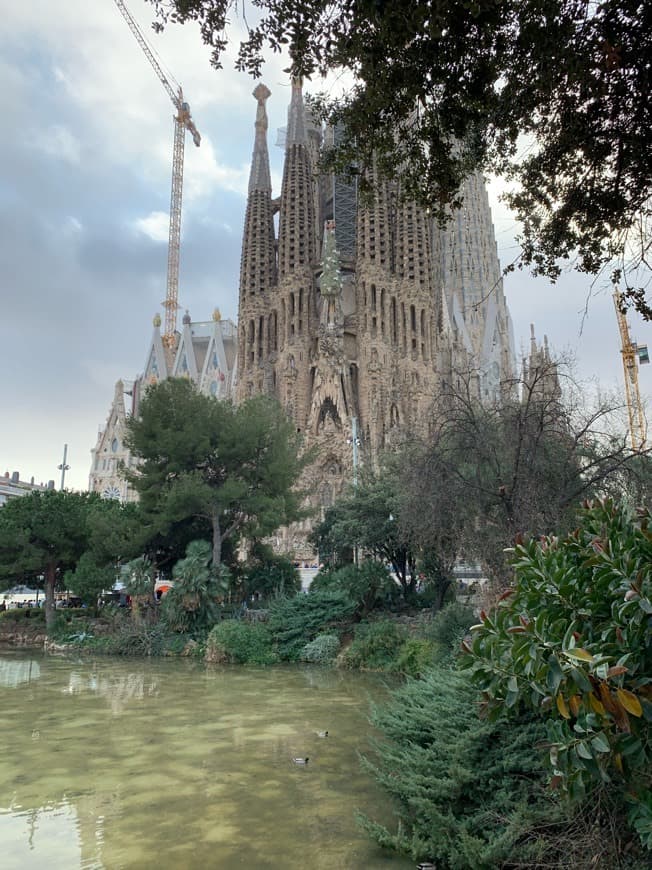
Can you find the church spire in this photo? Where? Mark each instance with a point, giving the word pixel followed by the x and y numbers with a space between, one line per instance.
pixel 296 132
pixel 296 236
pixel 259 177
pixel 258 263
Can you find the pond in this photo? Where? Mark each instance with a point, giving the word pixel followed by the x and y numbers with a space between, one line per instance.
pixel 111 763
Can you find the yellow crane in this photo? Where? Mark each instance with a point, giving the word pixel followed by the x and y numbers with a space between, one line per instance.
pixel 182 122
pixel 631 352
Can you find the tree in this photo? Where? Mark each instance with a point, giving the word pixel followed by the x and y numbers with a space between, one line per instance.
pixel 88 580
pixel 44 533
pixel 366 519
pixel 192 604
pixel 440 89
pixel 516 467
pixel 234 467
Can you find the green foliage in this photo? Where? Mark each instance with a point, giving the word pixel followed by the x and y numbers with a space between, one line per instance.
pixel 44 533
pixel 366 518
pixel 89 580
pixel 415 657
pixel 296 621
pixel 231 466
pixel 269 574
pixel 450 625
pixel 573 641
pixel 369 584
pixel 469 794
pixel 322 650
pixel 192 603
pixel 376 645
pixel 240 643
pixel 138 577
pixel 136 638
pixel 17 615
pixel 572 77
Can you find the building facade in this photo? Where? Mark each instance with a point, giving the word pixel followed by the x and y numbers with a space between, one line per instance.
pixel 353 315
pixel 204 352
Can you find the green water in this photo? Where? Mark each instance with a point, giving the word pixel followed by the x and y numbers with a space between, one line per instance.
pixel 173 764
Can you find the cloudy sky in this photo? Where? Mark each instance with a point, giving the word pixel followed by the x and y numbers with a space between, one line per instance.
pixel 85 164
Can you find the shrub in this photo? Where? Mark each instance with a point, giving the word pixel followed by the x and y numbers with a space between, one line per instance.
pixel 36 613
pixel 449 626
pixel 573 640
pixel 416 656
pixel 469 793
pixel 322 650
pixel 241 643
pixel 376 645
pixel 294 622
pixel 369 584
pixel 271 575
pixel 136 638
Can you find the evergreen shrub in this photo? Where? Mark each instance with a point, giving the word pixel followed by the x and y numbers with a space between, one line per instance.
pixel 242 643
pixel 368 584
pixel 296 621
pixel 376 645
pixel 322 650
pixel 469 794
pixel 416 656
pixel 271 575
pixel 449 626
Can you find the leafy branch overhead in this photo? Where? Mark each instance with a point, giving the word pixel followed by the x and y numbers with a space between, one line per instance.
pixel 551 94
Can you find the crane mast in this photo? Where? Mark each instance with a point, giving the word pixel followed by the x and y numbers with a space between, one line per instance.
pixel 630 351
pixel 182 122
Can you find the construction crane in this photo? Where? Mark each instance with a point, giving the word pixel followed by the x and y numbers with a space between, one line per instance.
pixel 631 352
pixel 182 122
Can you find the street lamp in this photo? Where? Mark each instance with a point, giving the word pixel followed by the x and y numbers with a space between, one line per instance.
pixel 63 467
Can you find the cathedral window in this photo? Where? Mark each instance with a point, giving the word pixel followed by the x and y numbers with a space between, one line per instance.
pixel 373 297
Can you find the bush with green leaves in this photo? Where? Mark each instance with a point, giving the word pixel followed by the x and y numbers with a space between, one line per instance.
pixel 368 584
pixel 416 657
pixel 296 621
pixel 322 650
pixel 472 794
pixel 269 574
pixel 136 638
pixel 573 641
pixel 449 626
pixel 89 580
pixel 18 614
pixel 242 643
pixel 376 645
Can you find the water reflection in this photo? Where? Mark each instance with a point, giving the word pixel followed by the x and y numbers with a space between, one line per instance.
pixel 127 764
pixel 13 672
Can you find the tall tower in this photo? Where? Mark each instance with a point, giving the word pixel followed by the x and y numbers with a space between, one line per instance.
pixel 473 287
pixel 358 341
pixel 258 319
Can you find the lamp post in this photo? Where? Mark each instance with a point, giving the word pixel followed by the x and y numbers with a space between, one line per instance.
pixel 63 467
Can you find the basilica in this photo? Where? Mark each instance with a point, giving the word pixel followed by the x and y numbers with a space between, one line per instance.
pixel 352 314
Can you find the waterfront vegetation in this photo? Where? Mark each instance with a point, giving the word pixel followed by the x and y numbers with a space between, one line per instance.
pixel 520 735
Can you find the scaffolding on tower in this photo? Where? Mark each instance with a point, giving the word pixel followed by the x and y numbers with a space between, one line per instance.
pixel 632 354
pixel 182 122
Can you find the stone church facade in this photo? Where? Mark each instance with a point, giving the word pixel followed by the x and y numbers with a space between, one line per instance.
pixel 354 315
